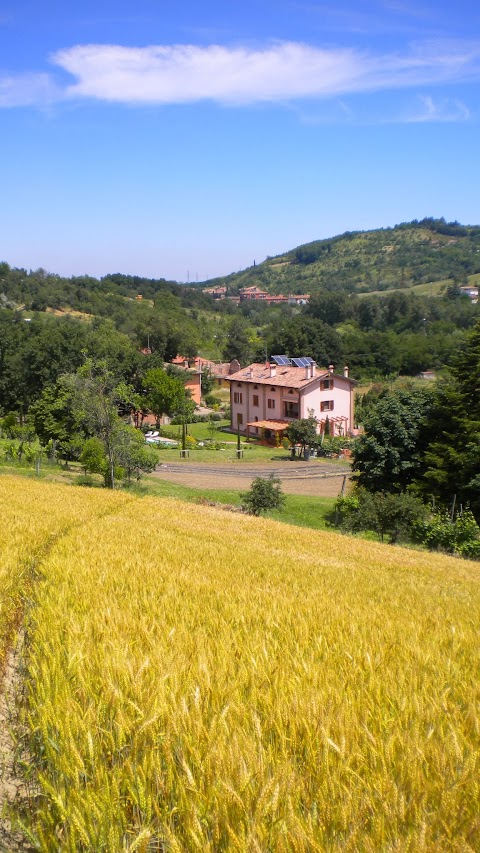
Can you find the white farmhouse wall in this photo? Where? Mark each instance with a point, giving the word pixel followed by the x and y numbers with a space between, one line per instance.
pixel 338 395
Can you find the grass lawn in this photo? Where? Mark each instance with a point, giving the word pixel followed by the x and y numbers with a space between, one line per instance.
pixel 303 511
pixel 199 431
pixel 227 453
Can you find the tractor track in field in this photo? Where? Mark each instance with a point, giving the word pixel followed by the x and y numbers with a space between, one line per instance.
pixel 13 789
pixel 16 792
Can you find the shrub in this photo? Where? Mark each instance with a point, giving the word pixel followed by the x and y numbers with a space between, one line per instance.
pixel 458 536
pixel 263 495
pixel 9 425
pixel 383 513
pixel 85 480
pixel 211 400
pixel 92 457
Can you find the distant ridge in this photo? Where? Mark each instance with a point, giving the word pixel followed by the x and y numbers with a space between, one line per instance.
pixel 408 254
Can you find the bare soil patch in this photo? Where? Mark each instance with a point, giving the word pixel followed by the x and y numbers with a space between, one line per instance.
pixel 326 487
pixel 13 790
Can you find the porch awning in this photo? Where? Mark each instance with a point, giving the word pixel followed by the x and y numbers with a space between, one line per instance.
pixel 276 426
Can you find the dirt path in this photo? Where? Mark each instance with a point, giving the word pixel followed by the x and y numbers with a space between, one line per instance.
pixel 12 785
pixel 310 480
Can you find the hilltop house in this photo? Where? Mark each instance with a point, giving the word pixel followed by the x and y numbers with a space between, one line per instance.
pixel 269 396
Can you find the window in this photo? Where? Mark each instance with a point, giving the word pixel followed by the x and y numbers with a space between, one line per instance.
pixel 239 418
pixel 326 406
pixel 237 397
pixel 255 387
pixel 239 384
pixel 255 399
pixel 326 384
pixel 273 389
pixel 270 404
pixel 290 410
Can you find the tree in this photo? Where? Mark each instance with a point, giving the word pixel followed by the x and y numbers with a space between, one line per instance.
pixel 164 393
pixel 208 382
pixel 305 335
pixel 451 456
pixel 95 402
pixel 302 431
pixel 389 455
pixel 238 344
pixel 132 454
pixel 56 421
pixel 263 496
pixel 183 415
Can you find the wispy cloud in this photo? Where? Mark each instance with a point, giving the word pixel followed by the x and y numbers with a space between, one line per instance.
pixel 281 72
pixel 422 109
pixel 25 90
pixel 444 110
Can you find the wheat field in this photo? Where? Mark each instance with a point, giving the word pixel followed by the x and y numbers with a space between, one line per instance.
pixel 198 680
pixel 33 515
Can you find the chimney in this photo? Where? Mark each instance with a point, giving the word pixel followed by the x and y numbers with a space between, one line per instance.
pixel 345 372
pixel 308 371
pixel 273 371
pixel 330 368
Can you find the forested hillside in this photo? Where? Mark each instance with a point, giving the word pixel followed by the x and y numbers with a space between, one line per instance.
pixel 50 324
pixel 365 261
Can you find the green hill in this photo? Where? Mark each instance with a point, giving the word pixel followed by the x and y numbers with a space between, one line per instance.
pixel 407 255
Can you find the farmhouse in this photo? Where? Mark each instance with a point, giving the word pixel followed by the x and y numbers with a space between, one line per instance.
pixel 269 396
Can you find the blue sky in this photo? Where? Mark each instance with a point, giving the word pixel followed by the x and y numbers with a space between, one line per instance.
pixel 187 139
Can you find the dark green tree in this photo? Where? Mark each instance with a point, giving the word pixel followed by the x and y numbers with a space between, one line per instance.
pixel 388 457
pixel 452 455
pixel 239 342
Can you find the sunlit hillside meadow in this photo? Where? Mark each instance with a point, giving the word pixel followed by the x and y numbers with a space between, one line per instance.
pixel 198 680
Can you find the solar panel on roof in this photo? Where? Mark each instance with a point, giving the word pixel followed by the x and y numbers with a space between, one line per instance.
pixel 301 362
pixel 281 360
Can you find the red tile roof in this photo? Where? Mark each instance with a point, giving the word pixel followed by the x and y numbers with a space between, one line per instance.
pixel 290 377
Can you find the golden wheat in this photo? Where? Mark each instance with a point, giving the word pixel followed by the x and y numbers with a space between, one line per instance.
pixel 202 681
pixel 33 514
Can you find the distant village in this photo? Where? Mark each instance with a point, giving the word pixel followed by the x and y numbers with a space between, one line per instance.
pixel 255 294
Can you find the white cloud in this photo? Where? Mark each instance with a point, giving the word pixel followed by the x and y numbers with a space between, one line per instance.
pixel 281 72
